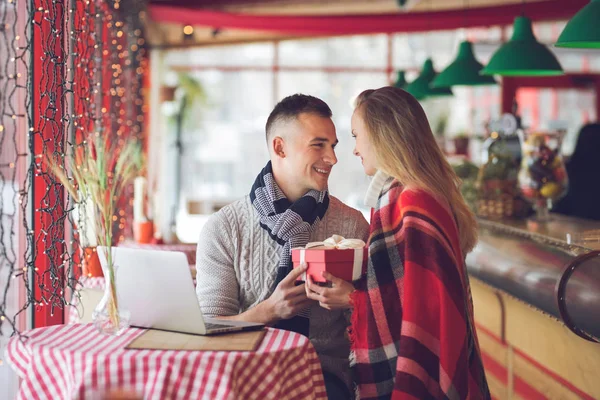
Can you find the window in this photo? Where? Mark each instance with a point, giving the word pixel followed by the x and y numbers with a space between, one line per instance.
pixel 12 177
pixel 224 146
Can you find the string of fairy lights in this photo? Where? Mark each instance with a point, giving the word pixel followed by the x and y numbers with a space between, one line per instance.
pixel 12 60
pixel 67 70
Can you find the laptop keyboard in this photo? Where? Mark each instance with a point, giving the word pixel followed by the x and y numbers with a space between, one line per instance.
pixel 210 326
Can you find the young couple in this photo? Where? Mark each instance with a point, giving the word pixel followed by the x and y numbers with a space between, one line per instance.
pixel 410 318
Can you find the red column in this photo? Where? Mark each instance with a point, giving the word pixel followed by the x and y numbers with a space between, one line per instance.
pixel 48 198
pixel 145 108
pixel 509 91
pixel 80 70
pixel 275 72
pixel 390 60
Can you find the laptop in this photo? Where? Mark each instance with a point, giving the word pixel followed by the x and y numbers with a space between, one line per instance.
pixel 156 287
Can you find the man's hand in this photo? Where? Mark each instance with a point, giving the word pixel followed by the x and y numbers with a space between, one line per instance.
pixel 331 298
pixel 286 302
pixel 288 299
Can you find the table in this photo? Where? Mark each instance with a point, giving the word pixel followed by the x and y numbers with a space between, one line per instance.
pixel 77 362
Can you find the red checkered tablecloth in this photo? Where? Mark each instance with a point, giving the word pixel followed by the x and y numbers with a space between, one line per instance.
pixel 77 362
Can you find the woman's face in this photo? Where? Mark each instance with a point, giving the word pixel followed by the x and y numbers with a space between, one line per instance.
pixel 363 148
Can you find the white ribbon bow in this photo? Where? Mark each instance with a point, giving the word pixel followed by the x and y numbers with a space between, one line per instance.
pixel 337 242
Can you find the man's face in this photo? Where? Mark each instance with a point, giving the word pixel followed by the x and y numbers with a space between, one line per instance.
pixel 309 146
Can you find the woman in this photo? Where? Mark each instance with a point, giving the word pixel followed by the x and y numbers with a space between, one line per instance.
pixel 412 322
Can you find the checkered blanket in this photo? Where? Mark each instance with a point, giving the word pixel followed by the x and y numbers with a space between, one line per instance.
pixel 412 330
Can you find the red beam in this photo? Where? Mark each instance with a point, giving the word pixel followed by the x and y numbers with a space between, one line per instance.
pixel 283 68
pixel 48 137
pixel 368 23
pixel 568 81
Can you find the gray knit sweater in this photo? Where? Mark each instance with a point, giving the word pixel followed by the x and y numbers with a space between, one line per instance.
pixel 237 263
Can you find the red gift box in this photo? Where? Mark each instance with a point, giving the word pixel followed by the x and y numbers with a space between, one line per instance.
pixel 347 264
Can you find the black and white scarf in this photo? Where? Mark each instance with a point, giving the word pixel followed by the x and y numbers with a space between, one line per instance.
pixel 289 224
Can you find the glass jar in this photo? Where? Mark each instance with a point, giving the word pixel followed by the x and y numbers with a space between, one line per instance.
pixel 542 176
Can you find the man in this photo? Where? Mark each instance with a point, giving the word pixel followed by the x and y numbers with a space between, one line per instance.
pixel 244 269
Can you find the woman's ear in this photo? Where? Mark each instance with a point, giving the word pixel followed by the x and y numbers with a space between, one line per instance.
pixel 279 146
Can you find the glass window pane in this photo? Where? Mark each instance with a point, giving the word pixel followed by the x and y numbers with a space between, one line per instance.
pixel 256 54
pixel 409 51
pixel 225 145
pixel 353 51
pixel 549 109
pixel 402 52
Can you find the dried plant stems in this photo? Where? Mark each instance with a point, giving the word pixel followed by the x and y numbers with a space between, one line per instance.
pixel 100 170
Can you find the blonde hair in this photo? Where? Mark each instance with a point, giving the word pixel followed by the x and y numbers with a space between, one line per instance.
pixel 406 149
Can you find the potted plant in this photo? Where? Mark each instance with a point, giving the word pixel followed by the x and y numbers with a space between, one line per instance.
pixel 461 144
pixel 439 131
pixel 183 102
pixel 468 173
pixel 97 172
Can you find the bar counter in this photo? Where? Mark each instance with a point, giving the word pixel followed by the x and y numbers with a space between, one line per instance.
pixel 531 349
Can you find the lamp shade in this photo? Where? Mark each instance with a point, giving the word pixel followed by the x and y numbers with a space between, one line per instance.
pixel 464 70
pixel 583 30
pixel 400 80
pixel 420 87
pixel 523 55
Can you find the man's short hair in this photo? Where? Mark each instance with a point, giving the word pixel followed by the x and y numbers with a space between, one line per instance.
pixel 292 106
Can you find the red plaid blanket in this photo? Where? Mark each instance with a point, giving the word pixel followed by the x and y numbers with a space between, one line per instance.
pixel 412 326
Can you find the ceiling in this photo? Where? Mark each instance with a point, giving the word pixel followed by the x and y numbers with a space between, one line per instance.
pixel 170 34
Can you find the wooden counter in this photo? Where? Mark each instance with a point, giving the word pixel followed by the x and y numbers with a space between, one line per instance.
pixel 528 352
pixel 570 230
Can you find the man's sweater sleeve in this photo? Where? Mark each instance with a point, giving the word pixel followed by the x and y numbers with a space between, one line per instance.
pixel 217 286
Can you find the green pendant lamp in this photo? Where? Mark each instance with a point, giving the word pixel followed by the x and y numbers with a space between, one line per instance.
pixel 400 80
pixel 420 87
pixel 523 55
pixel 583 30
pixel 463 71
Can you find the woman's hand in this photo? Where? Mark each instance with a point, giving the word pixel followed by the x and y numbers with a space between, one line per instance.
pixel 335 297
